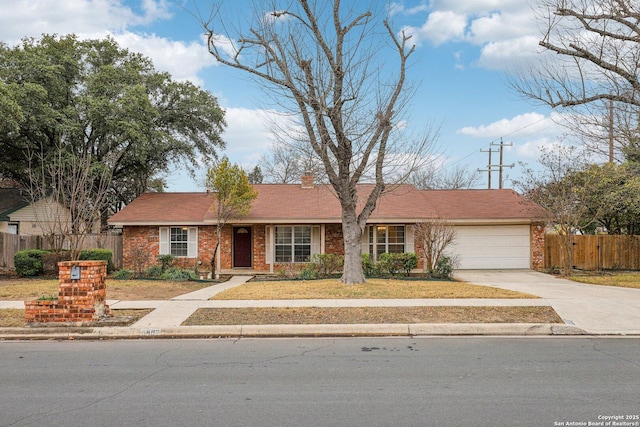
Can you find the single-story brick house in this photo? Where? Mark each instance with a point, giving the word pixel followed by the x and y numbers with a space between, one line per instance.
pixel 288 223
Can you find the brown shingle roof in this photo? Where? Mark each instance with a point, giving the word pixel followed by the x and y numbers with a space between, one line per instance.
pixel 165 208
pixel 292 203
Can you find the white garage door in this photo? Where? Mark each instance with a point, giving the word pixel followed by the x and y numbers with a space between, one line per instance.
pixel 492 247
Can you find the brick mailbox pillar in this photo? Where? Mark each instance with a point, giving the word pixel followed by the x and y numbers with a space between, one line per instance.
pixel 82 295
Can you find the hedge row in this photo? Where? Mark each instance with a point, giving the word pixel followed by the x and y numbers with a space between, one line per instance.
pixel 32 262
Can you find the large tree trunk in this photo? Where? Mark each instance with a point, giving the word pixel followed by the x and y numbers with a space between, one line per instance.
pixel 352 272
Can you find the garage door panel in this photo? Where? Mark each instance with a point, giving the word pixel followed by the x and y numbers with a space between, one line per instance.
pixel 492 247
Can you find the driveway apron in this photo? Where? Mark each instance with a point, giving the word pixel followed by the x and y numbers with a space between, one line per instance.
pixel 593 308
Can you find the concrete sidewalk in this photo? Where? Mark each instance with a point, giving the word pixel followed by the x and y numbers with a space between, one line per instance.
pixel 586 309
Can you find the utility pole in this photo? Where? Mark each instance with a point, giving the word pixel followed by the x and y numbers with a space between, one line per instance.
pixel 489 166
pixel 500 166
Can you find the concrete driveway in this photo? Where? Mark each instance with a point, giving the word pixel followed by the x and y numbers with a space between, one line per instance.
pixel 595 309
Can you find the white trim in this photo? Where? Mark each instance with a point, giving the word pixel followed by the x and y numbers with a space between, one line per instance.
pixel 164 241
pixel 192 242
pixel 409 244
pixel 316 240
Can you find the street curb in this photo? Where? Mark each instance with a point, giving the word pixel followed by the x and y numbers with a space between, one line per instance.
pixel 279 331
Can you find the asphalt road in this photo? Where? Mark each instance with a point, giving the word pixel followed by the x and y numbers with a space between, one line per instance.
pixel 456 381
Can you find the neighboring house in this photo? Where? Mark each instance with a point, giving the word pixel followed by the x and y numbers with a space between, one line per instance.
pixel 11 200
pixel 19 216
pixel 289 223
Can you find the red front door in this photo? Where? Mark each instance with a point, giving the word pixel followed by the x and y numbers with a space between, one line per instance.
pixel 241 247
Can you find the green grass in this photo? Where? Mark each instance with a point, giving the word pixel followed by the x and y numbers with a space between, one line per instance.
pixel 627 279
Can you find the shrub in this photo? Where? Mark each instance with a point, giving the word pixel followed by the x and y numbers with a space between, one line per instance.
pixel 99 255
pixel 123 275
pixel 444 268
pixel 153 271
pixel 29 262
pixel 178 275
pixel 139 256
pixel 327 264
pixel 409 262
pixel 50 261
pixel 369 266
pixel 166 261
pixel 309 272
pixel 391 263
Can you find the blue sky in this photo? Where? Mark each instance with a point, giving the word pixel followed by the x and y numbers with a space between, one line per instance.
pixel 464 50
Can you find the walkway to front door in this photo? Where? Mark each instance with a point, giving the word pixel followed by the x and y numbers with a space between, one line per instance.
pixel 241 247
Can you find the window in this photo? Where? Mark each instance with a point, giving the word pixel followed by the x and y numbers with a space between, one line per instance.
pixel 292 243
pixel 386 239
pixel 179 241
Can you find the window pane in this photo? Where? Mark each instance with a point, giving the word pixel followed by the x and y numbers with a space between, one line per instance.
pixel 396 249
pixel 303 235
pixel 283 235
pixel 303 253
pixel 283 253
pixel 396 234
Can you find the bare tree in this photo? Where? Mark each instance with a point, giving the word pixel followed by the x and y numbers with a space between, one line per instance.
pixel 285 163
pixel 74 192
pixel 435 177
pixel 328 67
pixel 435 234
pixel 559 188
pixel 599 58
pixel 595 72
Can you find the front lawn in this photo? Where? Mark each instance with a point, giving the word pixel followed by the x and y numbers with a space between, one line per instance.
pixel 371 315
pixel 624 279
pixel 374 288
pixel 126 290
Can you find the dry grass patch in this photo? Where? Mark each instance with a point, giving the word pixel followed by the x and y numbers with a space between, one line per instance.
pixel 374 288
pixel 371 315
pixel 14 317
pixel 125 290
pixel 620 279
pixel 11 318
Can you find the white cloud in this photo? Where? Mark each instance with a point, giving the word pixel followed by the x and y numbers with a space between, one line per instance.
pixel 480 6
pixel 399 9
pixel 508 54
pixel 527 124
pixel 248 134
pixel 184 60
pixel 439 28
pixel 28 18
pixel 531 149
pixel 505 30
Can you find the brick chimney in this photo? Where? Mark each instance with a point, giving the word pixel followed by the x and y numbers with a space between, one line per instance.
pixel 307 180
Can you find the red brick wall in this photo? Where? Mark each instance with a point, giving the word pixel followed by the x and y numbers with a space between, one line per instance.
pixel 79 300
pixel 537 246
pixel 147 238
pixel 333 240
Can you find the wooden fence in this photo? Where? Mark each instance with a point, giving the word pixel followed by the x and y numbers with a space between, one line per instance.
pixel 599 252
pixel 12 243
